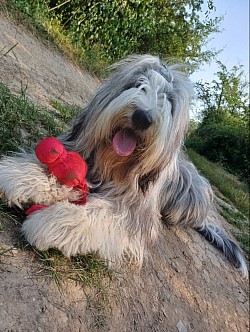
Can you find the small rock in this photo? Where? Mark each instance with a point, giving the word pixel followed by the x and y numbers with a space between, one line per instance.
pixel 181 327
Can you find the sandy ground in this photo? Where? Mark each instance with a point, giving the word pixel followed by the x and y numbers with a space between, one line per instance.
pixel 184 285
pixel 37 67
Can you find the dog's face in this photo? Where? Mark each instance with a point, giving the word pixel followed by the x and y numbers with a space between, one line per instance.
pixel 135 124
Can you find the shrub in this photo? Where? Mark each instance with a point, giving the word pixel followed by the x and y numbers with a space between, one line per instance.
pixel 226 144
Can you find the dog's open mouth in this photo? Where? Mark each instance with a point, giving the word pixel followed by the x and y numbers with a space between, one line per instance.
pixel 124 142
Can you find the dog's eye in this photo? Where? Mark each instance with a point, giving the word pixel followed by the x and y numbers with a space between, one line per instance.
pixel 140 81
pixel 142 85
pixel 129 85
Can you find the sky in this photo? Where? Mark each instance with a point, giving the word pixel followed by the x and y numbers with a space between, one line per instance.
pixel 234 39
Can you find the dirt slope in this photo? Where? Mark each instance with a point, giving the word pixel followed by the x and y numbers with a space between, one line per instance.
pixel 185 284
pixel 37 66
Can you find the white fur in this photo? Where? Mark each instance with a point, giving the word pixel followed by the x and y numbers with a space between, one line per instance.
pixel 25 181
pixel 78 229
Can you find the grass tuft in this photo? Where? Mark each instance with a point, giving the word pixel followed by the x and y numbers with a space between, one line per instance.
pixel 88 270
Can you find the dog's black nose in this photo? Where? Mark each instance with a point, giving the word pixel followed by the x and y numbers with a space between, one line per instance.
pixel 141 119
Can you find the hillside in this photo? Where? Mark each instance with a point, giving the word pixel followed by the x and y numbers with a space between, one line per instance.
pixel 184 285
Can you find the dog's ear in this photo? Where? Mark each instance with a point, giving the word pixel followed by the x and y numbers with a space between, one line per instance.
pixel 75 132
pixel 146 179
pixel 77 128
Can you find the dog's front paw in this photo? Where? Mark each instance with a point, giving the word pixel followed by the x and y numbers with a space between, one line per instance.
pixel 61 225
pixel 23 180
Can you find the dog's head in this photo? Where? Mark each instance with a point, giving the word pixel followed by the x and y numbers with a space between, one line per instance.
pixel 135 124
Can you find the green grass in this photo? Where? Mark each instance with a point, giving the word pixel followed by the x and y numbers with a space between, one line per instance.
pixel 23 123
pixel 241 226
pixel 88 270
pixel 228 184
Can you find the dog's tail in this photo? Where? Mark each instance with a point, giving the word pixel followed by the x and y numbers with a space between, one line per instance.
pixel 231 250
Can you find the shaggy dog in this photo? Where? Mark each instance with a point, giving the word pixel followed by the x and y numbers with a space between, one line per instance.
pixel 131 135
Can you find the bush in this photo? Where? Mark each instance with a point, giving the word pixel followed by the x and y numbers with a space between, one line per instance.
pixel 118 28
pixel 226 144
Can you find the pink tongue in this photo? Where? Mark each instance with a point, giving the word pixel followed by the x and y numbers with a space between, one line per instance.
pixel 124 143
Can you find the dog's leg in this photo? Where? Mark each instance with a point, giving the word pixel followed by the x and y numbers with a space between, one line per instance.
pixel 79 229
pixel 23 180
pixel 188 201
